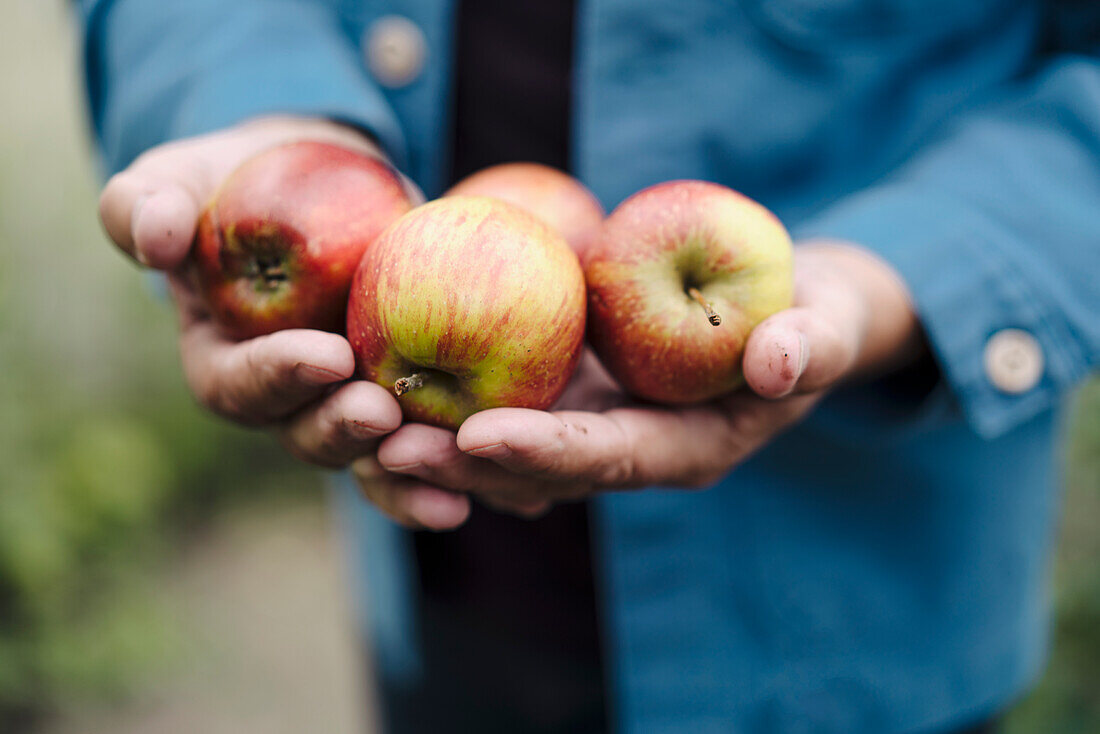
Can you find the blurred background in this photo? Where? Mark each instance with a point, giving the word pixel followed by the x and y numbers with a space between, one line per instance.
pixel 163 571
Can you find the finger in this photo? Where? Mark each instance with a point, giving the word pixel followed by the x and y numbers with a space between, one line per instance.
pixel 431 455
pixel 343 426
pixel 262 379
pixel 150 217
pixel 416 447
pixel 407 501
pixel 813 345
pixel 164 227
pixel 626 447
pixel 776 355
pixel 800 350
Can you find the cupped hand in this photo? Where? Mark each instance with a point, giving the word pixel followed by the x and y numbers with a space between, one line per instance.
pixel 295 382
pixel 851 316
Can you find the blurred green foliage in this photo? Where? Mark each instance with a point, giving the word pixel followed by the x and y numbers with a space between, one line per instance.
pixel 98 490
pixel 100 483
pixel 106 463
pixel 1067 700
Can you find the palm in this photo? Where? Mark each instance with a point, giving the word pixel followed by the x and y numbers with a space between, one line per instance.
pixel 596 438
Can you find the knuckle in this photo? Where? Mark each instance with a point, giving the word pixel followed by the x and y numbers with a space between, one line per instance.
pixel 265 371
pixel 317 454
pixel 623 468
pixel 227 403
pixel 267 378
pixel 209 393
pixel 618 472
pixel 745 422
pixel 333 451
pixel 331 439
pixel 374 488
pixel 733 447
pixel 328 425
pixel 367 469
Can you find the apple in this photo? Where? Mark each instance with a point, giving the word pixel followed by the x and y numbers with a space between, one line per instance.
pixel 555 197
pixel 678 277
pixel 464 304
pixel 276 247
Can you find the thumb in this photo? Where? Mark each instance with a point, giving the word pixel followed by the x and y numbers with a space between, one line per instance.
pixel 149 217
pixel 800 350
pixel 151 209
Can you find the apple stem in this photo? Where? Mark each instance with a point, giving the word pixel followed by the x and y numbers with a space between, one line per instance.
pixel 404 384
pixel 712 315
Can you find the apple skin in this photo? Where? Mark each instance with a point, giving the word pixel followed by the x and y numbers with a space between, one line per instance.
pixel 277 246
pixel 481 298
pixel 552 195
pixel 653 337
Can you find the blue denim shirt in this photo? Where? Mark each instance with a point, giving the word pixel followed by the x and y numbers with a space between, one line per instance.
pixel 882 567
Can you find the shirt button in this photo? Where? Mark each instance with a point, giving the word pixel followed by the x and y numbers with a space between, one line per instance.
pixel 1013 361
pixel 395 50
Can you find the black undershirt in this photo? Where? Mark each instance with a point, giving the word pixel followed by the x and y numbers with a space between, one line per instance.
pixel 507 613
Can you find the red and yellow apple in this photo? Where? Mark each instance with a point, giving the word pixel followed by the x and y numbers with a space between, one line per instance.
pixel 678 277
pixel 464 304
pixel 278 244
pixel 552 195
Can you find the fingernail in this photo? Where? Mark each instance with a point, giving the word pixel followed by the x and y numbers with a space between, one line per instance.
pixel 316 375
pixel 360 429
pixel 401 468
pixel 803 353
pixel 492 451
pixel 135 214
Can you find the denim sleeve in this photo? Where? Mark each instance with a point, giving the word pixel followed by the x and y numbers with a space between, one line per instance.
pixel 156 70
pixel 995 224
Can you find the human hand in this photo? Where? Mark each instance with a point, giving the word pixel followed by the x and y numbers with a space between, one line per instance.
pixel 851 316
pixel 292 381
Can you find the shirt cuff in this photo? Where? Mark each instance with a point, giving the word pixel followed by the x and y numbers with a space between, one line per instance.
pixel 971 300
